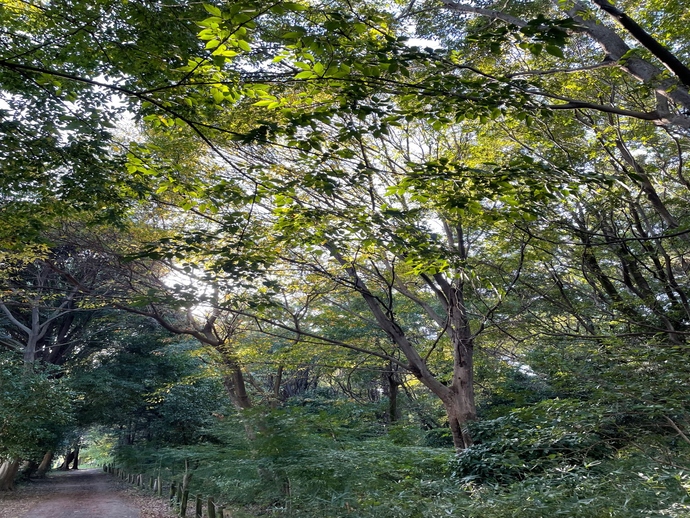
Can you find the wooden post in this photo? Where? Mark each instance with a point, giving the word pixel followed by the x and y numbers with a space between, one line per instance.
pixel 160 486
pixel 211 508
pixel 178 497
pixel 183 504
pixel 220 510
pixel 151 483
pixel 198 509
pixel 172 492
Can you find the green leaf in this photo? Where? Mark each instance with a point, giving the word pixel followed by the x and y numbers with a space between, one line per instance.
pixel 307 74
pixel 554 51
pixel 294 6
pixel 213 10
pixel 218 96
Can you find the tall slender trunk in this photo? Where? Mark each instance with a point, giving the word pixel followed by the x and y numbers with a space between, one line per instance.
pixel 391 389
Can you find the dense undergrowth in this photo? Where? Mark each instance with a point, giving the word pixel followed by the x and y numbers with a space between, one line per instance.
pixel 558 457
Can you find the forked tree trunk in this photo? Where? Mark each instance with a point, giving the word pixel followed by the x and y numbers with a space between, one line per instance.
pixel 458 397
pixel 8 471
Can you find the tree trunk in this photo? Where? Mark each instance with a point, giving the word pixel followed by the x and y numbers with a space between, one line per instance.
pixel 8 471
pixel 458 398
pixel 68 459
pixel 276 387
pixel 27 469
pixel 616 49
pixel 187 477
pixel 233 381
pixel 75 463
pixel 45 465
pixel 393 383
pixel 457 419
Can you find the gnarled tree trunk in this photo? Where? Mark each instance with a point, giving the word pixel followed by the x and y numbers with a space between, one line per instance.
pixel 45 465
pixel 8 471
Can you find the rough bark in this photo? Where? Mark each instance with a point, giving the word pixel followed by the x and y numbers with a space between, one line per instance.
pixel 276 387
pixel 45 465
pixel 8 472
pixel 235 386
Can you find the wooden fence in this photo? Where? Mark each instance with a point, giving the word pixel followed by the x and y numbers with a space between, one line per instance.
pixel 177 494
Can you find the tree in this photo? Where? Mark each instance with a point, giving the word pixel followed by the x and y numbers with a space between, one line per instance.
pixel 43 300
pixel 146 385
pixel 35 408
pixel 302 150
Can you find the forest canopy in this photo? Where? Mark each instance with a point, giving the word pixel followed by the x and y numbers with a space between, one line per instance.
pixel 435 244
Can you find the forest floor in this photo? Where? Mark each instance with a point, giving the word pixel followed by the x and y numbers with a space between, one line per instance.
pixel 87 493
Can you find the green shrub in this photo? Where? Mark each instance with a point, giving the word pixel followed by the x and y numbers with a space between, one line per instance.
pixel 535 439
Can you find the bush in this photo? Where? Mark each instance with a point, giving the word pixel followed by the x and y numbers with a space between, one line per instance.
pixel 535 439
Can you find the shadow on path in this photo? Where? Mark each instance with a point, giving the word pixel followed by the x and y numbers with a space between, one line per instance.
pixel 86 493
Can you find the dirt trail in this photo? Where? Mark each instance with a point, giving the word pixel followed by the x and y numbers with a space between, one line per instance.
pixel 73 494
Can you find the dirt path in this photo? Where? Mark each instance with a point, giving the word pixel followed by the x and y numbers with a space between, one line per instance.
pixel 87 493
